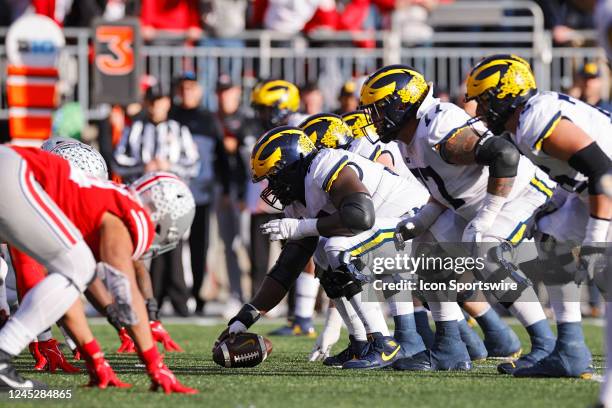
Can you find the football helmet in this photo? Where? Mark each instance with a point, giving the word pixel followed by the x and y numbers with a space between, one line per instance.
pixel 327 130
pixel 500 84
pixel 391 96
pixel 273 102
pixel 82 156
pixel 282 157
pixel 361 125
pixel 55 140
pixel 170 205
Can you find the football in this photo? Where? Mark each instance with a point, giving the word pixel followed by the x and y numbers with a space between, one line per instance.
pixel 247 350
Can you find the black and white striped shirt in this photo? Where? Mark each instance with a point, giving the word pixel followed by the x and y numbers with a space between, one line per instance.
pixel 145 141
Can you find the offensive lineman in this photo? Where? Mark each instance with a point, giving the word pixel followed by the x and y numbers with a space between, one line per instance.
pixel 473 178
pixel 570 140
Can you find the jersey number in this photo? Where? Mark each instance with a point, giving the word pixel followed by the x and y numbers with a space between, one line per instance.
pixel 425 173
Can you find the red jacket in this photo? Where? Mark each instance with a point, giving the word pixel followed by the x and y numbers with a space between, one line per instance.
pixel 170 14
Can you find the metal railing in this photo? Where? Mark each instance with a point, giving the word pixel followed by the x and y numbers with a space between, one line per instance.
pixel 445 59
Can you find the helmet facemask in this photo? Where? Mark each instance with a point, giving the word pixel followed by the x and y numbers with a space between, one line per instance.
pixel 388 116
pixel 286 184
pixel 270 116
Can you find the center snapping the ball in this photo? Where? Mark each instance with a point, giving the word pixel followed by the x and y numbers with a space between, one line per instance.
pixel 247 350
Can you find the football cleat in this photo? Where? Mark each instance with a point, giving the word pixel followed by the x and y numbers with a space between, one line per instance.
pixel 354 350
pixel 570 358
pixel 49 357
pixel 383 351
pixel 448 352
pixel 10 378
pixel 300 326
pixel 542 344
pixel 502 344
pixel 474 344
pixel 407 336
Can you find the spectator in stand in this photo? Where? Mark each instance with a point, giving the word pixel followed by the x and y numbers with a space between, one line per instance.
pixel 238 126
pixel 156 143
pixel 312 99
pixel 283 16
pixel 223 21
pixel 588 86
pixel 208 136
pixel 563 17
pixel 11 10
pixel 348 98
pixel 343 15
pixel 180 17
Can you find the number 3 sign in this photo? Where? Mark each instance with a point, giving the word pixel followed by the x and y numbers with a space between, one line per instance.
pixel 117 63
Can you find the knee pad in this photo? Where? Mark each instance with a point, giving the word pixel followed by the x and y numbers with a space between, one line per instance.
pixel 555 260
pixel 339 283
pixel 499 260
pixel 77 264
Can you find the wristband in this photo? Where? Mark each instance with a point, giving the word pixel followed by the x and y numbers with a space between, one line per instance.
pixel 152 309
pixel 248 315
pixel 150 357
pixel 491 207
pixel 111 316
pixel 427 215
pixel 307 228
pixel 596 230
pixel 91 350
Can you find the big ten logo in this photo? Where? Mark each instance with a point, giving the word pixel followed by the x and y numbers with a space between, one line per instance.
pixel 36 46
pixel 118 58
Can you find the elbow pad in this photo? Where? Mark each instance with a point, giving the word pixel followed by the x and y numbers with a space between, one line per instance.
pixel 292 260
pixel 500 155
pixel 357 212
pixel 593 163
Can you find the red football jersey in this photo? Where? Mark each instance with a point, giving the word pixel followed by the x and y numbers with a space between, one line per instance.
pixel 84 199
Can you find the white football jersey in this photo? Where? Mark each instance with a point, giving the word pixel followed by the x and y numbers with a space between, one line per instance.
pixel 538 120
pixel 373 151
pixel 459 187
pixel 390 193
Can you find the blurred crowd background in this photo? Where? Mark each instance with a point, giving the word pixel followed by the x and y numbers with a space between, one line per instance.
pixel 195 119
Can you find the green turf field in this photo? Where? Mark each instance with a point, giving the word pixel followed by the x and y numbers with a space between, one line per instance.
pixel 286 379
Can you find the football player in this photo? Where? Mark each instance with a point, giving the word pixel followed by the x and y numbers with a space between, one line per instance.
pixel 327 131
pixel 28 211
pixel 276 103
pixel 569 140
pixel 321 187
pixel 481 190
pixel 45 350
pixel 118 228
pixel 330 131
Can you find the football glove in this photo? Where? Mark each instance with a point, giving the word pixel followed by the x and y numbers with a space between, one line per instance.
pixel 290 228
pixel 161 335
pixel 101 374
pixel 328 337
pixel 127 344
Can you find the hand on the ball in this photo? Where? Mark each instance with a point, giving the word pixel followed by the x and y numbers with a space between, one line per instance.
pixel 230 333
